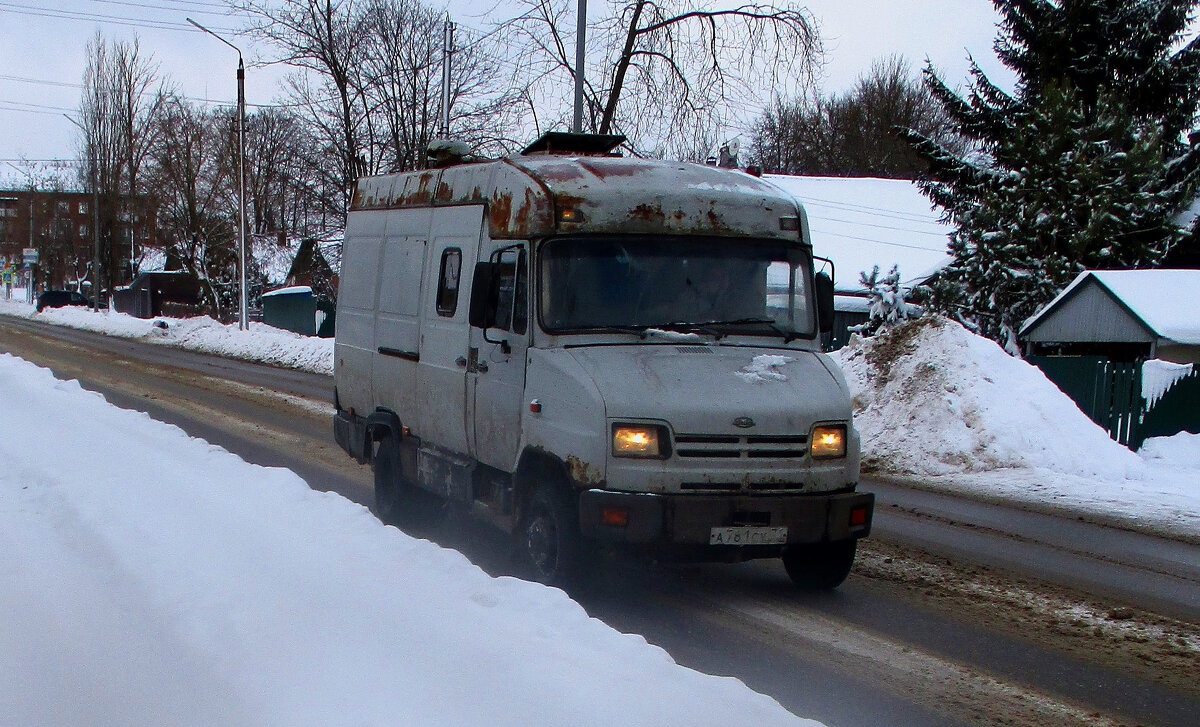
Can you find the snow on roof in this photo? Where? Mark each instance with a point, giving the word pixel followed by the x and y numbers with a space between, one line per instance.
pixel 1154 296
pixel 289 291
pixel 859 222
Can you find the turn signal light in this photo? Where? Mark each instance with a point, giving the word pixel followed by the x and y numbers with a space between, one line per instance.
pixel 617 517
pixel 858 517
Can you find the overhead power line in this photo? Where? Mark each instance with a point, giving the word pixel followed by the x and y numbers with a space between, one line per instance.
pixel 43 12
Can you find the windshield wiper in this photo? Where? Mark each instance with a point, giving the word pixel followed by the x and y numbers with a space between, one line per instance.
pixel 788 335
pixel 639 331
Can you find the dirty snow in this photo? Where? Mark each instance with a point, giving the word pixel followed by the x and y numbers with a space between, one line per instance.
pixel 152 578
pixel 764 368
pixel 944 408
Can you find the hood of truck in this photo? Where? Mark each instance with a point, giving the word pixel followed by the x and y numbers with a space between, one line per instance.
pixel 717 389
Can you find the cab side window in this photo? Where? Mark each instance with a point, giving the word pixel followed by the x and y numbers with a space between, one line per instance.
pixel 448 278
pixel 512 292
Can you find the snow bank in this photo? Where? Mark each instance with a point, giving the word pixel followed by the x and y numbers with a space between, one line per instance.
pixel 151 578
pixel 1181 450
pixel 939 406
pixel 261 342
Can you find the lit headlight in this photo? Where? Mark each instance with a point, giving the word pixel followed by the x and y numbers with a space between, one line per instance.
pixel 636 440
pixel 829 441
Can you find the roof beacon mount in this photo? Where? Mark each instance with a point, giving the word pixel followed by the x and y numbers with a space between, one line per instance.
pixel 563 143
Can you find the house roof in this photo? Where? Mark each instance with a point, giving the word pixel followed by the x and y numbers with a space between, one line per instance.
pixel 1156 298
pixel 859 222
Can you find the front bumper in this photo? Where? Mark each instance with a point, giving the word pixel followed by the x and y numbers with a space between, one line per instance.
pixel 688 520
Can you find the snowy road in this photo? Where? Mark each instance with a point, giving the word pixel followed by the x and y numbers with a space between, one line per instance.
pixel 911 639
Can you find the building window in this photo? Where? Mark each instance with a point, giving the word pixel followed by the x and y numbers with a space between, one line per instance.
pixel 83 210
pixel 83 231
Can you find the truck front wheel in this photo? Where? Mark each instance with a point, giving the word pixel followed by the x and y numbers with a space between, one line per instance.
pixel 820 566
pixel 549 542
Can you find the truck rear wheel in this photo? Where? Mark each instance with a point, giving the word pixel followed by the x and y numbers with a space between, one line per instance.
pixel 397 501
pixel 549 542
pixel 820 566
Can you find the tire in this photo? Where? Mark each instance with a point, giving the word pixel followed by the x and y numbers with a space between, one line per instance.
pixel 397 501
pixel 549 545
pixel 820 567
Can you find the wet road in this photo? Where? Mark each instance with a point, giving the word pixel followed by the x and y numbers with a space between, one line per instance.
pixel 958 612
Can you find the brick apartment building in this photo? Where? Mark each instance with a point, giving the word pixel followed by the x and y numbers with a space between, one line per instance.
pixel 62 232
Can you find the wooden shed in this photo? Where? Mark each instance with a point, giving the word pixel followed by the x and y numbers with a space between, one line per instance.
pixel 1124 345
pixel 1123 315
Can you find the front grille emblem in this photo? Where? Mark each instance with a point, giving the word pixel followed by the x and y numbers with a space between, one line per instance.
pixel 743 422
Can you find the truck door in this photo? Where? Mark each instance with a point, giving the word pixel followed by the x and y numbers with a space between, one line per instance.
pixel 496 375
pixel 442 386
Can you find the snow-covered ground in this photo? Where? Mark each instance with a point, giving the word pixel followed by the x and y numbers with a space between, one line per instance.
pixel 152 578
pixel 262 343
pixel 942 407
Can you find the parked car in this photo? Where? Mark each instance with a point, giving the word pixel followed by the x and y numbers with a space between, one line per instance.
pixel 59 299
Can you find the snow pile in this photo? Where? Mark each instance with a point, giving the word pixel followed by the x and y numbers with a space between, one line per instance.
pixel 169 582
pixel 1181 450
pixel 944 408
pixel 262 343
pixel 1159 376
pixel 932 399
pixel 764 368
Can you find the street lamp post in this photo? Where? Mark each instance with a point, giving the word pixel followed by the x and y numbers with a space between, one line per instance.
pixel 241 130
pixel 95 216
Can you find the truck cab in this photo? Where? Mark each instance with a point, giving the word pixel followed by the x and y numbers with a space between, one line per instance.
pixel 598 351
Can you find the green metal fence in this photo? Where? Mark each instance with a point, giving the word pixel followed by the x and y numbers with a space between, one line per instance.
pixel 1110 393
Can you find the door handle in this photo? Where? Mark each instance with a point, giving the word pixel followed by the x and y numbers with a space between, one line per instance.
pixel 461 361
pixel 481 367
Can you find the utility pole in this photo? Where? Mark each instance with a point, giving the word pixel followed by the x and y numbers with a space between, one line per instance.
pixel 447 53
pixel 92 172
pixel 243 324
pixel 580 47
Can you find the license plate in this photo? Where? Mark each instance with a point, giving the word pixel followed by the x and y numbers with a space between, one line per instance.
pixel 748 535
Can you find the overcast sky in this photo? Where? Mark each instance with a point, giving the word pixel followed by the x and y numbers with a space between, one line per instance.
pixel 42 53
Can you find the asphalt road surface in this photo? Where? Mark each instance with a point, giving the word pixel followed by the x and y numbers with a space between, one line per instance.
pixel 959 612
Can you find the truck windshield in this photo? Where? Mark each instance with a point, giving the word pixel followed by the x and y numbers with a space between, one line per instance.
pixel 718 286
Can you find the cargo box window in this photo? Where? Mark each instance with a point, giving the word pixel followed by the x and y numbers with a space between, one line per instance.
pixel 447 292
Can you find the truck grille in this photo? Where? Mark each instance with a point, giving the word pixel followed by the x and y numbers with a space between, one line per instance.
pixel 717 446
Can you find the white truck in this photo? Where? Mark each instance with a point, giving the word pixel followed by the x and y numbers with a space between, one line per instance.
pixel 598 351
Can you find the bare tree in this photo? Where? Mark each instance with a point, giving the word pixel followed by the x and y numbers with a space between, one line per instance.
pixel 369 82
pixel 323 37
pixel 666 69
pixel 857 133
pixel 192 170
pixel 117 109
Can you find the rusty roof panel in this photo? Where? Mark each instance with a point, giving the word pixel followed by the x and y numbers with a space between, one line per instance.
pixel 525 197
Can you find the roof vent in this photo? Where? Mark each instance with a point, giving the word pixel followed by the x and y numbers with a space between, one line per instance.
pixel 561 142
pixel 447 152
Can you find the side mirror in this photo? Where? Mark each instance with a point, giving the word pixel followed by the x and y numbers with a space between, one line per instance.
pixel 824 291
pixel 483 310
